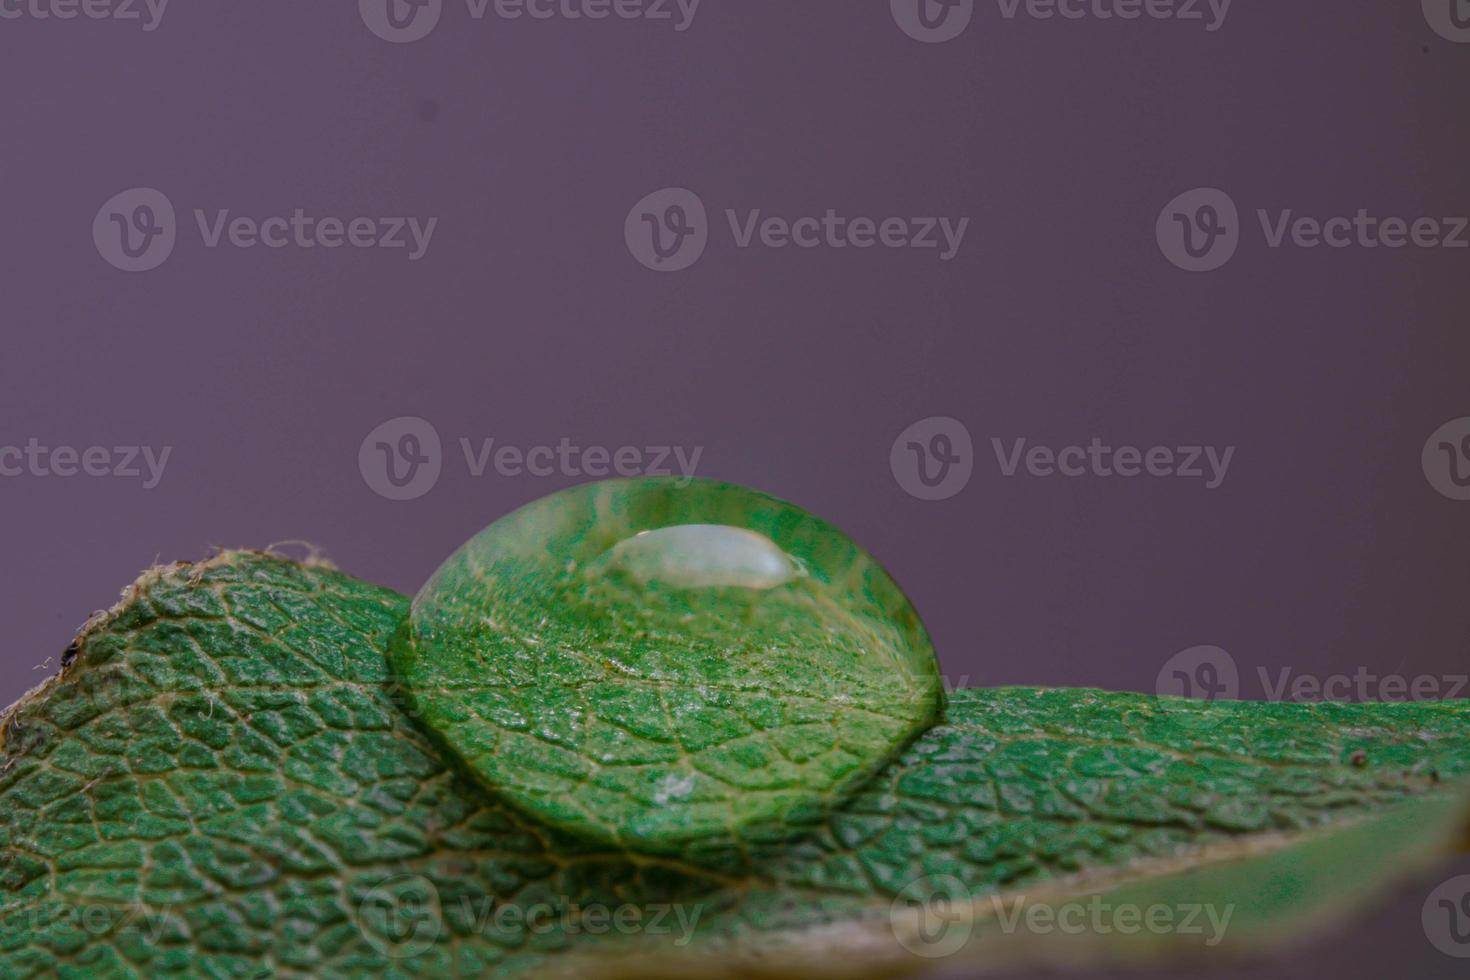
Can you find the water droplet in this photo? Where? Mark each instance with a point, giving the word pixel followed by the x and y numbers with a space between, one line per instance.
pixel 664 666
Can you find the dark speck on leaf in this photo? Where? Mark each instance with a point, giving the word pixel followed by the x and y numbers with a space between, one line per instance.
pixel 1359 758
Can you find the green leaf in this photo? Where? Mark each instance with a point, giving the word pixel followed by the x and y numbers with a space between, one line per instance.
pixel 223 781
pixel 1263 899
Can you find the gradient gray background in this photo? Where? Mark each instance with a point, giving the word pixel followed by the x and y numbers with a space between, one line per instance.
pixel 528 320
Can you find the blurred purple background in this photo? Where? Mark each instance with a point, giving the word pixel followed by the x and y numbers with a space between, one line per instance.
pixel 527 320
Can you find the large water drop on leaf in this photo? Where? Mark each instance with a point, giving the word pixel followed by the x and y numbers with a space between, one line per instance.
pixel 663 666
